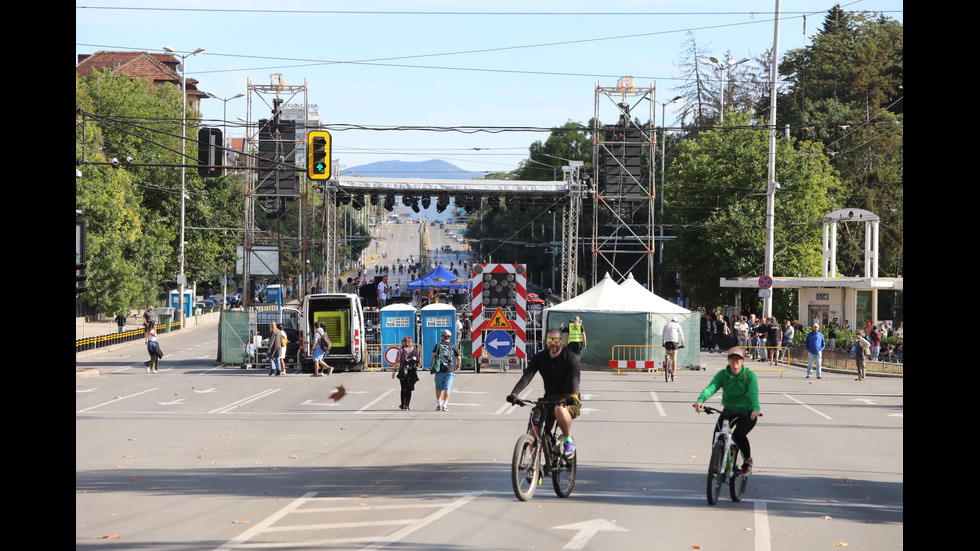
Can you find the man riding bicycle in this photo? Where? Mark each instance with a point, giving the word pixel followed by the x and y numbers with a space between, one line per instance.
pixel 740 395
pixel 559 369
pixel 673 336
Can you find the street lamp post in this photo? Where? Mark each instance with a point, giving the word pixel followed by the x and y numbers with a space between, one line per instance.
pixel 182 277
pixel 663 156
pixel 224 131
pixel 721 68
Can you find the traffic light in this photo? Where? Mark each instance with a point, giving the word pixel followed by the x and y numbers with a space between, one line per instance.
pixel 318 155
pixel 80 277
pixel 209 149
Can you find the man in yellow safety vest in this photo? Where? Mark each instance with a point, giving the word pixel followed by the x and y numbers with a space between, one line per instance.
pixel 576 340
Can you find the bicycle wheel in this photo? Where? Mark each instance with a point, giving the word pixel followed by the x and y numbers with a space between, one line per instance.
pixel 667 363
pixel 524 467
pixel 716 472
pixel 563 475
pixel 736 486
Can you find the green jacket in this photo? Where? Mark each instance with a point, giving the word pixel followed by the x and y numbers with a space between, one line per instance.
pixel 739 393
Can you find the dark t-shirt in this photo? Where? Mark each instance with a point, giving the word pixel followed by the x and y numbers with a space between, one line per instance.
pixel 772 334
pixel 561 375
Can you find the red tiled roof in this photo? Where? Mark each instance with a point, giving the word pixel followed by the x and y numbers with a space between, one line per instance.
pixel 156 67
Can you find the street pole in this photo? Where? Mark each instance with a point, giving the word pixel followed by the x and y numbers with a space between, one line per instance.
pixel 772 185
pixel 182 277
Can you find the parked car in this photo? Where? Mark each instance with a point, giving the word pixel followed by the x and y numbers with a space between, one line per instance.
pixel 533 298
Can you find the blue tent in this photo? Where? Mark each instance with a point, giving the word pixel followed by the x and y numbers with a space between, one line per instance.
pixel 440 278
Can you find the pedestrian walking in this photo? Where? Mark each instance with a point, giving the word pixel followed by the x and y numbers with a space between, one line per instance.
pixel 152 349
pixel 445 359
pixel 321 347
pixel 275 346
pixel 285 341
pixel 406 369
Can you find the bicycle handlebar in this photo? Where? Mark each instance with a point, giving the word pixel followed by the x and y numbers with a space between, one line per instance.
pixel 539 402
pixel 709 410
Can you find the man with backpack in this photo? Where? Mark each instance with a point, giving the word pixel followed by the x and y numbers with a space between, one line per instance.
pixel 445 359
pixel 321 347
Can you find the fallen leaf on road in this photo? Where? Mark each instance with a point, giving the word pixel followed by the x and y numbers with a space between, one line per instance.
pixel 110 537
pixel 339 394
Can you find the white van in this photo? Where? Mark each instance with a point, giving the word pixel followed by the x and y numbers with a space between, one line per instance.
pixel 343 319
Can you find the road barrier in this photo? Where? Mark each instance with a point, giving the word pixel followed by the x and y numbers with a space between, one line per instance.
pixel 647 357
pixel 110 339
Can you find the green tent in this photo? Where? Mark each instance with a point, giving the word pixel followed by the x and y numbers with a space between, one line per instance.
pixel 626 315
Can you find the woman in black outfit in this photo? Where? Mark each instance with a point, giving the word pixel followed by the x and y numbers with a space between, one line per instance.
pixel 406 369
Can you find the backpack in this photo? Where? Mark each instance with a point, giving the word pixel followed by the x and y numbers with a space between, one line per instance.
pixel 444 358
pixel 324 343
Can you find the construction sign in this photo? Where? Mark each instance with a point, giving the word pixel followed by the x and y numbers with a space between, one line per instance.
pixel 501 289
pixel 499 321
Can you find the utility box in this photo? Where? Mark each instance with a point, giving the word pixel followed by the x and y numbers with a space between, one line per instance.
pixel 436 318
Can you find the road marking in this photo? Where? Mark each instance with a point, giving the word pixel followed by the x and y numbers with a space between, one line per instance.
pixel 522 396
pixel 422 523
pixel 824 415
pixel 376 400
pixel 656 402
pixel 586 530
pixel 114 400
pixel 763 538
pixel 265 523
pixel 246 400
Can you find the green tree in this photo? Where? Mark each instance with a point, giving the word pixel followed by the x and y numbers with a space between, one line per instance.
pixel 133 211
pixel 845 90
pixel 716 202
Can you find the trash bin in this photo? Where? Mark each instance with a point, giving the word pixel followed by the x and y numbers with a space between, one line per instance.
pixel 466 352
pixel 164 317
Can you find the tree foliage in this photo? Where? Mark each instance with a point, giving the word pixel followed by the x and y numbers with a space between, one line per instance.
pixel 133 212
pixel 716 200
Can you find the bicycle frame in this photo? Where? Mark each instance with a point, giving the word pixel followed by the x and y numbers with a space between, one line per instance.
pixel 725 469
pixel 536 426
pixel 541 441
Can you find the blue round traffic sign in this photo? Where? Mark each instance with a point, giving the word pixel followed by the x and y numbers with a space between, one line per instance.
pixel 499 343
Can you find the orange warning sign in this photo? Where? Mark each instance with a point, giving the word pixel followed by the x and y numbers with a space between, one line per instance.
pixel 499 321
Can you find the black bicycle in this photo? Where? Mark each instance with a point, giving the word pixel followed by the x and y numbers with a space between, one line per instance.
pixel 723 466
pixel 537 444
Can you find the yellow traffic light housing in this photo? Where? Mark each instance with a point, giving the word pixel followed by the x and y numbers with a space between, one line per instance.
pixel 318 155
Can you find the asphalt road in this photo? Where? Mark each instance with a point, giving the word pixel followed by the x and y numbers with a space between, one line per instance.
pixel 198 457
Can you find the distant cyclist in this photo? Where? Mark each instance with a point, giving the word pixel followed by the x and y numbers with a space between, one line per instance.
pixel 559 369
pixel 740 395
pixel 673 338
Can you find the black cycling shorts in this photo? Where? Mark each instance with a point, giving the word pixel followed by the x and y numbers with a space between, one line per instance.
pixel 670 345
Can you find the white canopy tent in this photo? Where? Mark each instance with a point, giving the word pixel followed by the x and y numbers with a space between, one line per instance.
pixel 624 314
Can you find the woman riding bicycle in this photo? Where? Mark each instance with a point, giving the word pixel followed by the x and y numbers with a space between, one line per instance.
pixel 740 395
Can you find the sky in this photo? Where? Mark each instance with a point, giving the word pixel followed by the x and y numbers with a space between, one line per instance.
pixel 470 82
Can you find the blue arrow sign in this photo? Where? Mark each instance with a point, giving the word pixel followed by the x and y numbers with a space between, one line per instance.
pixel 499 343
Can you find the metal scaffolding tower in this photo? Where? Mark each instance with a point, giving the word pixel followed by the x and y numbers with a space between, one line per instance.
pixel 623 213
pixel 283 185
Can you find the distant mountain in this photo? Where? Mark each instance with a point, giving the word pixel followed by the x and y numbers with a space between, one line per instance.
pixel 435 169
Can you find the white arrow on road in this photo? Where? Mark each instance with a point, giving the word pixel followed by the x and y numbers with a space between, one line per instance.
pixel 588 410
pixel 312 403
pixel 175 402
pixel 586 530
pixel 865 400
